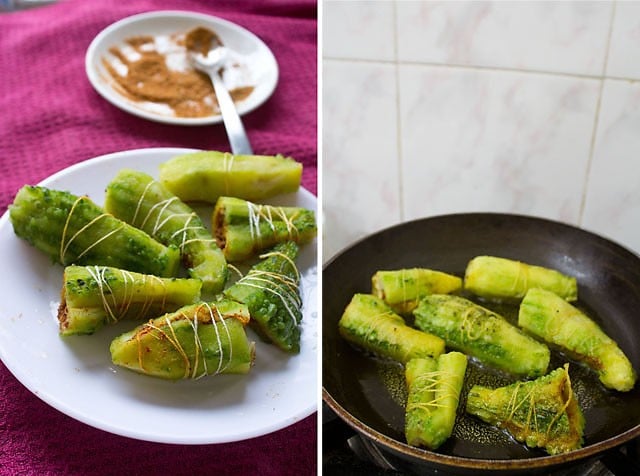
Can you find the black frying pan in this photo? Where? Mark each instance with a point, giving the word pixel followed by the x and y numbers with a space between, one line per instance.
pixel 367 392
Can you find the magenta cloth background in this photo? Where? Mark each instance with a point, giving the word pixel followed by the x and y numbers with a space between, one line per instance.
pixel 50 118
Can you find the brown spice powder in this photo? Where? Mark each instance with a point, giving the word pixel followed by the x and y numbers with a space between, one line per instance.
pixel 188 93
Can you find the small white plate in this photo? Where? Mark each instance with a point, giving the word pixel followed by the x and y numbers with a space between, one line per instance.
pixel 258 58
pixel 75 374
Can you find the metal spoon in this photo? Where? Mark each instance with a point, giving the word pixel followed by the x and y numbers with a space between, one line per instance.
pixel 211 64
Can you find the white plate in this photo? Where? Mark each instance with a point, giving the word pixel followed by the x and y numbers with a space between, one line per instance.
pixel 76 376
pixel 258 58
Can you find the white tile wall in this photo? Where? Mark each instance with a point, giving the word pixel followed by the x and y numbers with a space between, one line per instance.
pixel 441 107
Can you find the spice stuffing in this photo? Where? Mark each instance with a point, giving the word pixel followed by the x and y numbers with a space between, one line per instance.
pixel 154 72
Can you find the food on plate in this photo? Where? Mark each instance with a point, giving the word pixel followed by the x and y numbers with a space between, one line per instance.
pixel 244 229
pixel 541 413
pixel 402 289
pixel 271 292
pixel 550 317
pixel 194 341
pixel 481 333
pixel 433 387
pixel 497 278
pixel 206 176
pixel 145 203
pixel 74 230
pixel 93 296
pixel 369 323
pixel 155 74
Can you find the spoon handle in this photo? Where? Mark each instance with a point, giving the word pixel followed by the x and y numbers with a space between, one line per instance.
pixel 235 130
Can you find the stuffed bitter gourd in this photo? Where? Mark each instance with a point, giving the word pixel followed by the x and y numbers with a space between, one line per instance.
pixel 74 230
pixel 434 387
pixel 96 295
pixel 138 199
pixel 194 341
pixel 244 229
pixel 271 292
pixel 205 176
pixel 541 413
pixel 498 278
pixel 556 321
pixel 402 289
pixel 481 333
pixel 369 323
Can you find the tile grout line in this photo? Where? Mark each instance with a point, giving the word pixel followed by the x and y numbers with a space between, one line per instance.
pixel 400 159
pixel 498 69
pixel 596 120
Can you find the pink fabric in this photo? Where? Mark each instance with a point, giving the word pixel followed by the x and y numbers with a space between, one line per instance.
pixel 50 118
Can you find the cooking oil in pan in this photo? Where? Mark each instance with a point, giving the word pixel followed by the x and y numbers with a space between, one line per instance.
pixel 474 438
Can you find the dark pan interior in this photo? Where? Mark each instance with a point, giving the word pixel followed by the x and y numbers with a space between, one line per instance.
pixel 369 391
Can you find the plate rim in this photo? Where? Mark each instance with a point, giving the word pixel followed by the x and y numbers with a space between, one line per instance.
pixel 55 402
pixel 108 94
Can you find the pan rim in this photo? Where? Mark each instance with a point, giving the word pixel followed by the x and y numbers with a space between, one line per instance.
pixel 538 462
pixel 469 463
pixel 564 224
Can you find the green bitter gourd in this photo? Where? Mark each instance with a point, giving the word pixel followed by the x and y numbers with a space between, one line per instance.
pixel 244 229
pixel 369 323
pixel 205 176
pixel 402 289
pixel 550 317
pixel 540 413
pixel 434 387
pixel 74 230
pixel 501 278
pixel 271 292
pixel 483 334
pixel 195 341
pixel 145 203
pixel 96 295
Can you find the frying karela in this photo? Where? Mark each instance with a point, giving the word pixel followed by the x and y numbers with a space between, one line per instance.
pixel 483 334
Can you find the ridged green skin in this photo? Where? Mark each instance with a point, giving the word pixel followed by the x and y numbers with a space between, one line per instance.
pixel 434 387
pixel 369 323
pixel 540 413
pixel 402 289
pixel 270 291
pixel 481 333
pixel 195 341
pixel 501 278
pixel 556 321
pixel 138 199
pixel 93 296
pixel 39 216
pixel 205 176
pixel 243 229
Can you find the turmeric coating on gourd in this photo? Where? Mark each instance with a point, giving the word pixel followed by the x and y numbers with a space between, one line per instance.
pixel 271 291
pixel 72 229
pixel 195 341
pixel 434 387
pixel 402 289
pixel 208 175
pixel 93 296
pixel 369 323
pixel 244 228
pixel 136 198
pixel 540 413
pixel 483 334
